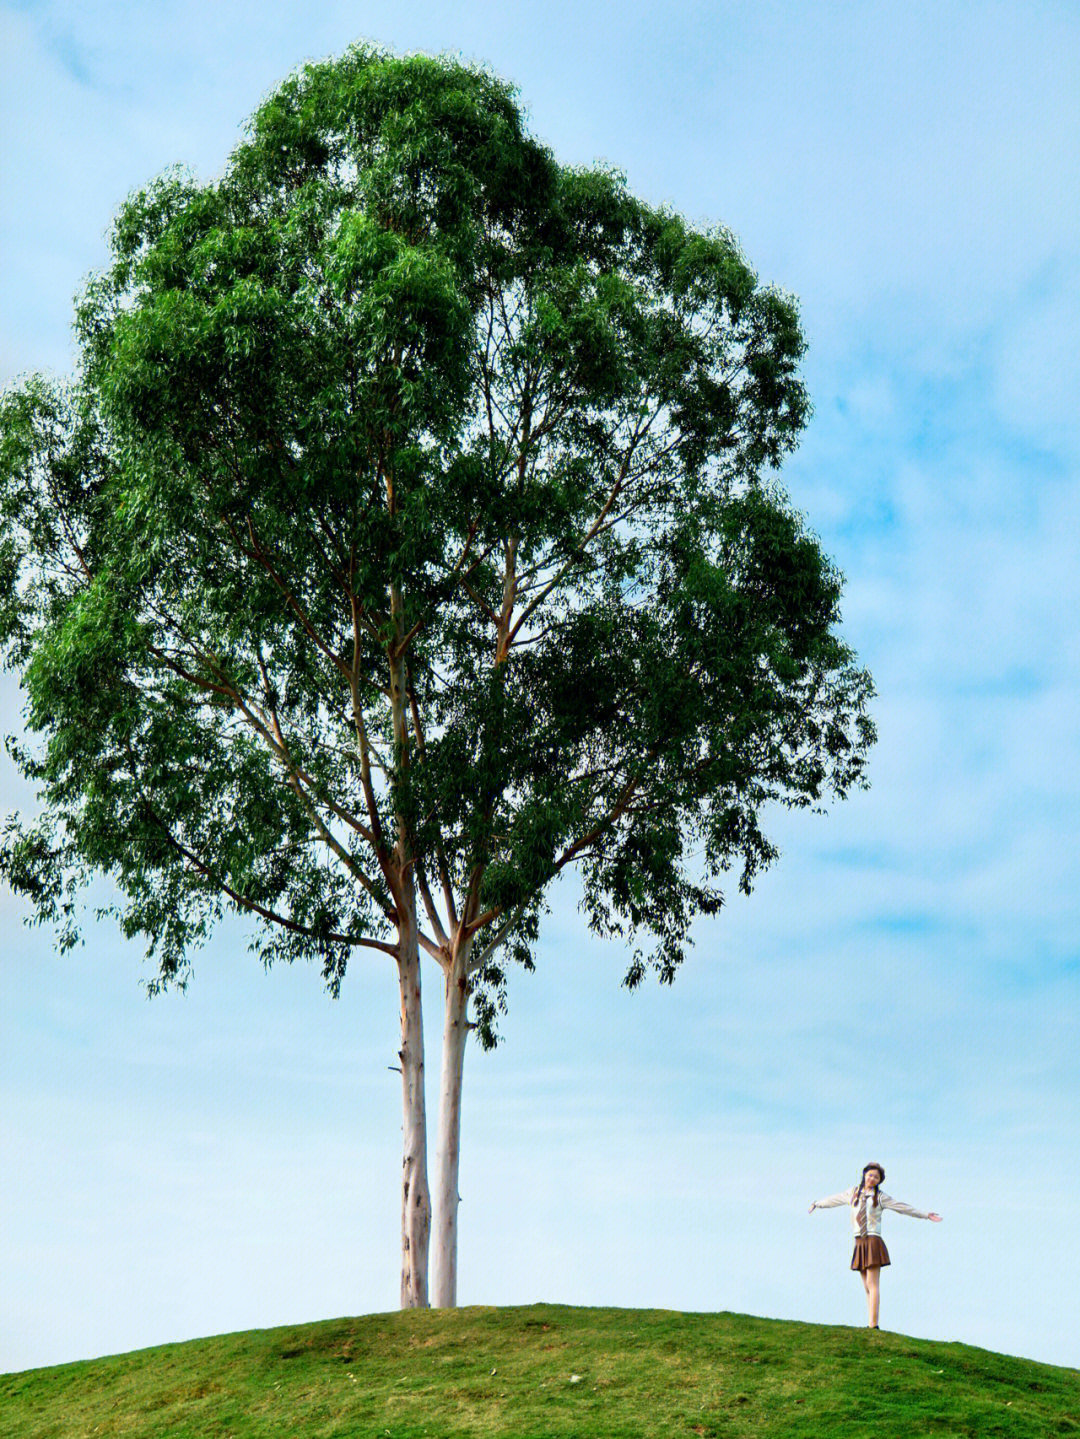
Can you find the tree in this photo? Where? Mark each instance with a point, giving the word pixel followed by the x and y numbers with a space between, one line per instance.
pixel 409 533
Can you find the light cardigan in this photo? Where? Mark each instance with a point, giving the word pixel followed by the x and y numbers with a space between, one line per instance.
pixel 866 1218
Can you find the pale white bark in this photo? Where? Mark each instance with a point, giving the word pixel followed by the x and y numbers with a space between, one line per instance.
pixel 448 1151
pixel 415 1194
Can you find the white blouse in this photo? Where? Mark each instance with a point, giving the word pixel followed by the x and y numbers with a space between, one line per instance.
pixel 870 1222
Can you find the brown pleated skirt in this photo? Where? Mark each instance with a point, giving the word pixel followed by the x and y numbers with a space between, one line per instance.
pixel 869 1250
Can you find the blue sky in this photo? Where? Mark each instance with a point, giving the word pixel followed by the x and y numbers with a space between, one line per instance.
pixel 903 986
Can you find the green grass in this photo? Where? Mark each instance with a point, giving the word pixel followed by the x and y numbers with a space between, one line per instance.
pixel 486 1372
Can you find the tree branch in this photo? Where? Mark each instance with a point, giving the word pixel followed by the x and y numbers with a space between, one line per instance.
pixel 618 809
pixel 483 604
pixel 578 550
pixel 492 945
pixel 297 778
pixel 421 874
pixel 249 904
pixel 379 839
pixel 259 555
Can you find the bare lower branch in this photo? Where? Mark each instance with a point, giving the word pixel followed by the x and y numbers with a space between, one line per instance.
pixel 619 808
pixel 478 961
pixel 201 867
pixel 484 607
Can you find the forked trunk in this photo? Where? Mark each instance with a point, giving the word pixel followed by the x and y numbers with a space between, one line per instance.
pixel 455 1032
pixel 415 1194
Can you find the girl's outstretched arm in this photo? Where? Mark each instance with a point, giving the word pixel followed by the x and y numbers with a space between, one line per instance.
pixel 844 1197
pixel 887 1203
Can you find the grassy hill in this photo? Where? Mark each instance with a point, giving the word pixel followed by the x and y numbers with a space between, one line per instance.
pixel 546 1371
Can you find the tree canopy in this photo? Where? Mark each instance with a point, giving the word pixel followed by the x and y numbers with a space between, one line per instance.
pixel 409 532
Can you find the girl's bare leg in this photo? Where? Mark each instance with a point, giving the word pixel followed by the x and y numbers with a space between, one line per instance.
pixel 871 1280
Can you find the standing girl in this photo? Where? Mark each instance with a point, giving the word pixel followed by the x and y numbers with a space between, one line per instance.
pixel 867 1201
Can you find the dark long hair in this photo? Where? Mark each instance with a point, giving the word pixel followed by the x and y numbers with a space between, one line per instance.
pixel 862 1183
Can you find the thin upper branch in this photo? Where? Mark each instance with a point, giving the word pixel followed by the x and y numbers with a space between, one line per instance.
pixel 256 552
pixel 586 539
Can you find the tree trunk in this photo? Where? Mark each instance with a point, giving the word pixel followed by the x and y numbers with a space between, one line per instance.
pixel 447 1155
pixel 415 1195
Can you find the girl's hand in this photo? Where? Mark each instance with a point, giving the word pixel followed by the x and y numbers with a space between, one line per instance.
pixel 935 1217
pixel 811 1209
